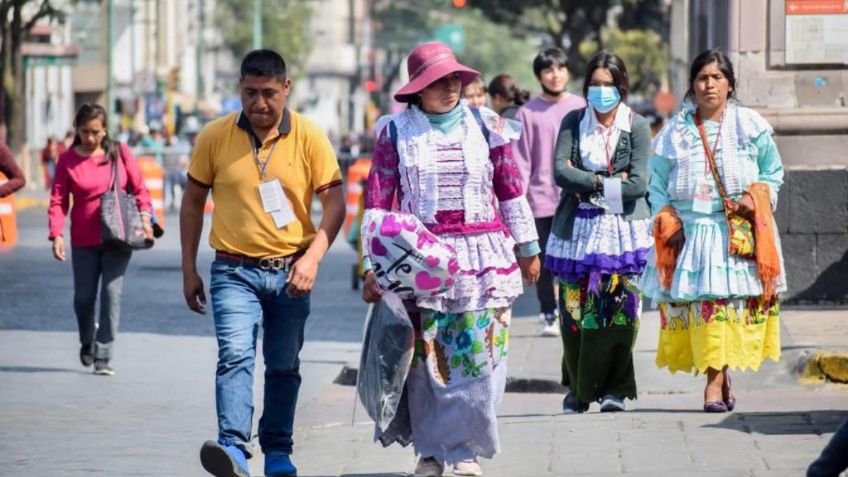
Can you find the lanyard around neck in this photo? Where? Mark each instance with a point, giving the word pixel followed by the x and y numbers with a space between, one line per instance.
pixel 710 153
pixel 607 139
pixel 259 163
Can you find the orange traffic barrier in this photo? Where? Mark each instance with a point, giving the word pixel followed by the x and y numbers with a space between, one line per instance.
pixel 357 175
pixel 154 179
pixel 8 219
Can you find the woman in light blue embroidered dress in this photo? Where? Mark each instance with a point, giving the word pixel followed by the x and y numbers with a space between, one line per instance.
pixel 452 167
pixel 716 312
pixel 597 247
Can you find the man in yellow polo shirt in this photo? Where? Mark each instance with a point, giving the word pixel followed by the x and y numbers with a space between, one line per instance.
pixel 263 165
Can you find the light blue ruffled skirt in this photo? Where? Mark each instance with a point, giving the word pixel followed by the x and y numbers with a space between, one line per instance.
pixel 705 270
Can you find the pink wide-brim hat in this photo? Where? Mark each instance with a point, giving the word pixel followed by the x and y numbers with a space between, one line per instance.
pixel 426 64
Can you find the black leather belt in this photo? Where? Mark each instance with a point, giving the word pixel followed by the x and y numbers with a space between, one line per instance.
pixel 283 263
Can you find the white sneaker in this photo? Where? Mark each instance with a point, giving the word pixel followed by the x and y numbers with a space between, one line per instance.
pixel 467 467
pixel 550 326
pixel 429 467
pixel 550 329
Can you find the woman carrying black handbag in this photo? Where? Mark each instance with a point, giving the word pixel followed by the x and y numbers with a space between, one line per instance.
pixel 85 171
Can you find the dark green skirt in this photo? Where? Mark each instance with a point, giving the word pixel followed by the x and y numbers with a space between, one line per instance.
pixel 598 332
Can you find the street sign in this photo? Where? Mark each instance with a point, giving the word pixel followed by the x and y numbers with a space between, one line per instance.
pixel 816 7
pixel 453 35
pixel 816 32
pixel 664 102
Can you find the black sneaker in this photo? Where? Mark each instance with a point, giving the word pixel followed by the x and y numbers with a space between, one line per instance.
pixel 87 354
pixel 102 368
pixel 571 405
pixel 610 403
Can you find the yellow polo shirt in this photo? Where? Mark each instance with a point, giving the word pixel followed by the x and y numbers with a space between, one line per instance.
pixel 301 158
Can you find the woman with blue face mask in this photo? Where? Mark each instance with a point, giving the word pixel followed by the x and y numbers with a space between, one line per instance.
pixel 600 238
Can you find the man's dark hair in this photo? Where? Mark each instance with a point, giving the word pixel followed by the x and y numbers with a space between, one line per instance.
pixel 610 61
pixel 548 58
pixel 264 63
pixel 714 55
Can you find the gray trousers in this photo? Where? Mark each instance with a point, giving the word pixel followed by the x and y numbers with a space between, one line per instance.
pixel 90 264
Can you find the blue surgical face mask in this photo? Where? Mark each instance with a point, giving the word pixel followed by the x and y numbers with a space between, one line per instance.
pixel 603 98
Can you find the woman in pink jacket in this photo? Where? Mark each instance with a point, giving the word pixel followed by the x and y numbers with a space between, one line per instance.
pixel 84 171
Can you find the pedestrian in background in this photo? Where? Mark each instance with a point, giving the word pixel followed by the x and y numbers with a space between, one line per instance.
pixel 264 165
pixel 601 237
pixel 175 159
pixel 68 141
pixel 85 172
pixel 475 93
pixel 49 157
pixel 718 310
pixel 506 96
pixel 541 118
pixel 439 140
pixel 9 167
pixel 154 143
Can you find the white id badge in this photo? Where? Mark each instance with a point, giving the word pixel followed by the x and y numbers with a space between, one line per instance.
pixel 703 200
pixel 271 193
pixel 612 194
pixel 274 202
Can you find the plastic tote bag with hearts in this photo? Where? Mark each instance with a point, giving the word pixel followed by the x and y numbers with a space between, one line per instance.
pixel 386 356
pixel 407 259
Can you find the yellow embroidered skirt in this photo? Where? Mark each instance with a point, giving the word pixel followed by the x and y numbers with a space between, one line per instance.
pixel 739 333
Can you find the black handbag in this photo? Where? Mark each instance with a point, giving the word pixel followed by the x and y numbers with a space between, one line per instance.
pixel 120 219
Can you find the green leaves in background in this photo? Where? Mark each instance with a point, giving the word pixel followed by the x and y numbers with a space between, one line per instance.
pixel 285 28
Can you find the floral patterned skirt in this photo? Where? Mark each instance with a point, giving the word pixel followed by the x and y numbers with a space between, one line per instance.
pixel 739 333
pixel 598 333
pixel 455 384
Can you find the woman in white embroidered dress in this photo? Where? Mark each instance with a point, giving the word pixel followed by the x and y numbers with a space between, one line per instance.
pixel 434 158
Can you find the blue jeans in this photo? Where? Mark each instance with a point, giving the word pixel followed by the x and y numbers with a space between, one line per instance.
pixel 243 298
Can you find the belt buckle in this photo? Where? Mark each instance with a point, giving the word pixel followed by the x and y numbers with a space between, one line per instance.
pixel 276 263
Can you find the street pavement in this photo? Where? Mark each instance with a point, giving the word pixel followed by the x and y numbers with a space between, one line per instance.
pixel 150 419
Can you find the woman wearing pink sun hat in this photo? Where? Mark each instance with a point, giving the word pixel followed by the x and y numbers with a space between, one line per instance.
pixel 452 168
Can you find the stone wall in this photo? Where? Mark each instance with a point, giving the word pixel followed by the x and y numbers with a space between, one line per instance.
pixel 812 217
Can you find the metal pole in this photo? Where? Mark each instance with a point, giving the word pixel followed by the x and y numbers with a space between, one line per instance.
pixel 201 21
pixel 110 81
pixel 133 68
pixel 257 24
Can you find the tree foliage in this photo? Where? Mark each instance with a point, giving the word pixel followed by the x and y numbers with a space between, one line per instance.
pixel 570 23
pixel 563 23
pixel 285 28
pixel 489 47
pixel 644 53
pixel 17 18
pixel 492 50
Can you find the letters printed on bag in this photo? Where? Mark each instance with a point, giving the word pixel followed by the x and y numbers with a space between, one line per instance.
pixel 407 258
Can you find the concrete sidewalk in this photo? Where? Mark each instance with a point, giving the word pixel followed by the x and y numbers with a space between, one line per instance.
pixel 778 428
pixel 151 418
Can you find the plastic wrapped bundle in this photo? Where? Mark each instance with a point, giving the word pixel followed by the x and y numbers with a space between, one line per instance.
pixel 386 356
